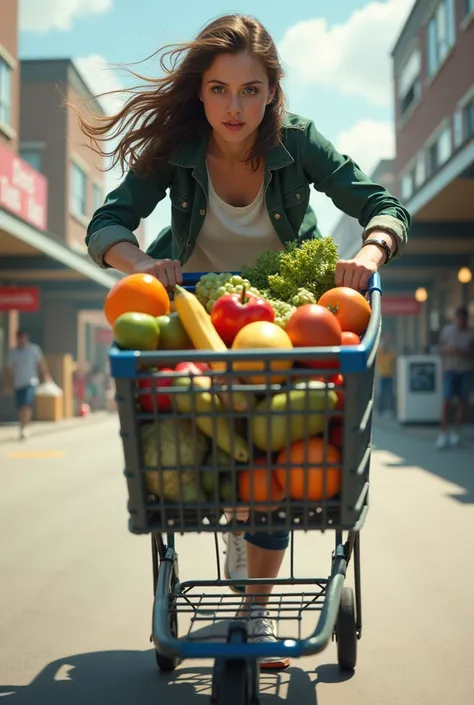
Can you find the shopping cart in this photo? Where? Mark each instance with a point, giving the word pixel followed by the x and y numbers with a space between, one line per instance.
pixel 194 603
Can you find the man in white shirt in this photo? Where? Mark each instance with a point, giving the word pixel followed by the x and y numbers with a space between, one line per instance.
pixel 456 346
pixel 24 365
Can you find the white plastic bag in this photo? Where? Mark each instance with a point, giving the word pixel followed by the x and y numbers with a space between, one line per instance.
pixel 48 389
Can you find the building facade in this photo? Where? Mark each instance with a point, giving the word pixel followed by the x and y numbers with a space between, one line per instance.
pixel 433 62
pixel 49 186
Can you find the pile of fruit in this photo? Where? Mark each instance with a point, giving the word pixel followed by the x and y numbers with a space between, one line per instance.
pixel 228 312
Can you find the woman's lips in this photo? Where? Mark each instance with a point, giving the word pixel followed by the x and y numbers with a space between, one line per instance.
pixel 234 125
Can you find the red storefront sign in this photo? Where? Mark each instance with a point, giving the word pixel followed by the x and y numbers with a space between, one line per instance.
pixel 23 191
pixel 19 298
pixel 400 306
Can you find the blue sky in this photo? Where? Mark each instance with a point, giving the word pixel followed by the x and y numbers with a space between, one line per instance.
pixel 336 57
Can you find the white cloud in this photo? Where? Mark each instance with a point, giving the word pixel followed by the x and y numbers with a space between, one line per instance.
pixel 100 77
pixel 367 142
pixel 44 15
pixel 353 57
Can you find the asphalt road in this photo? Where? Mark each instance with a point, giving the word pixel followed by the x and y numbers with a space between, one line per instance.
pixel 76 587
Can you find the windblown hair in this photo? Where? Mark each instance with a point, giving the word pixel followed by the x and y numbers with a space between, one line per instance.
pixel 164 111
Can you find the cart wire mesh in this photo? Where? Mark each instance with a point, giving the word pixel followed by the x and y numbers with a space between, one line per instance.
pixel 284 444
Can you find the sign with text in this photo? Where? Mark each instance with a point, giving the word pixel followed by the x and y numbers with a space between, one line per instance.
pixel 400 306
pixel 19 298
pixel 23 191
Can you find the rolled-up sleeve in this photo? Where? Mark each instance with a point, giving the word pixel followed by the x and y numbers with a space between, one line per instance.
pixel 352 191
pixel 134 198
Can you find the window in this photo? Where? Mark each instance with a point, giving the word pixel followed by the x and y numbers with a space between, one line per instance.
pixel 31 157
pixel 439 151
pixel 5 93
pixel 420 170
pixel 469 120
pixel 409 87
pixel 468 7
pixel 96 197
pixel 78 203
pixel 441 34
pixel 408 184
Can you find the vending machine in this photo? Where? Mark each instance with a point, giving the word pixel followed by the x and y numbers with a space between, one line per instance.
pixel 419 389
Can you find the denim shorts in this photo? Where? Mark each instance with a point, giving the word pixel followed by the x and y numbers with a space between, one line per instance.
pixel 457 384
pixel 276 541
pixel 25 396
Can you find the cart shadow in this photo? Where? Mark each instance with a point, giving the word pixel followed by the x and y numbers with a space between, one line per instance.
pixel 454 465
pixel 124 677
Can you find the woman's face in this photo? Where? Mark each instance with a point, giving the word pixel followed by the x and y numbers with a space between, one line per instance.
pixel 235 93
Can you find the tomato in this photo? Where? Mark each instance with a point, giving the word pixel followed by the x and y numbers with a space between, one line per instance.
pixel 336 435
pixel 351 309
pixel 162 402
pixel 349 338
pixel 232 312
pixel 312 325
pixel 338 381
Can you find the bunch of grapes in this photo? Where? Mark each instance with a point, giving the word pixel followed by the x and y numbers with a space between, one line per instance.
pixel 302 297
pixel 212 286
pixel 283 311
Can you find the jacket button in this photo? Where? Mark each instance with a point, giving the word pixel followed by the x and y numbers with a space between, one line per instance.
pixel 184 204
pixel 277 216
pixel 202 212
pixel 298 196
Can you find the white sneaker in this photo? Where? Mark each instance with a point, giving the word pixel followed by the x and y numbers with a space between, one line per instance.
pixel 453 438
pixel 23 435
pixel 442 441
pixel 235 566
pixel 261 629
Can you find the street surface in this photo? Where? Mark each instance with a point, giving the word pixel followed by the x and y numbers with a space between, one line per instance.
pixel 76 587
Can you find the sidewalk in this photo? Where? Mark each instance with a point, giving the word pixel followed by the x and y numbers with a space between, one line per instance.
pixel 427 432
pixel 9 431
pixel 412 448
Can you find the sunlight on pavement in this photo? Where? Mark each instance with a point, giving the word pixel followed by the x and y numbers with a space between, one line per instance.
pixel 36 454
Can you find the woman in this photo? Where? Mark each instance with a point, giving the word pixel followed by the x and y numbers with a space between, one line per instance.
pixel 214 131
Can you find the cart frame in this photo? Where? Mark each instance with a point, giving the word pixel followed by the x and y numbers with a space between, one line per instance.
pixel 340 607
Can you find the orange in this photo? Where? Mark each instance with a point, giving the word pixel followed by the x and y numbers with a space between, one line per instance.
pixel 140 293
pixel 256 481
pixel 313 468
pixel 262 334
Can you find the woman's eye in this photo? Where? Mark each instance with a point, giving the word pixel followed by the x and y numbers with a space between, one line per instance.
pixel 217 89
pixel 251 90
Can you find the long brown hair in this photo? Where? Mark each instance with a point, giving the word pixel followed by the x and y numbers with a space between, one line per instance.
pixel 163 112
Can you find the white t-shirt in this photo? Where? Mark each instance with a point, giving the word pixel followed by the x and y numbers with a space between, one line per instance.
pixel 24 364
pixel 232 236
pixel 454 337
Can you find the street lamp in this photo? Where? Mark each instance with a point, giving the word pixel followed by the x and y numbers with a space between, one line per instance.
pixel 464 275
pixel 421 295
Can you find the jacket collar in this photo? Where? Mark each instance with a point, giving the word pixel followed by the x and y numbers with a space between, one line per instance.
pixel 192 154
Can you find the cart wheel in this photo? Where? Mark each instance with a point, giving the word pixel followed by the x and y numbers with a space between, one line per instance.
pixel 346 631
pixel 166 664
pixel 235 682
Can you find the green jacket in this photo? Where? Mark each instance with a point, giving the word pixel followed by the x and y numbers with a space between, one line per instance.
pixel 301 159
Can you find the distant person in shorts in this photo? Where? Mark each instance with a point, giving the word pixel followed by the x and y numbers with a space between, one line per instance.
pixel 24 366
pixel 456 347
pixel 385 369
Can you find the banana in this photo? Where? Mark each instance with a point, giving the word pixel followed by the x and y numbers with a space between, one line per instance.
pixel 211 419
